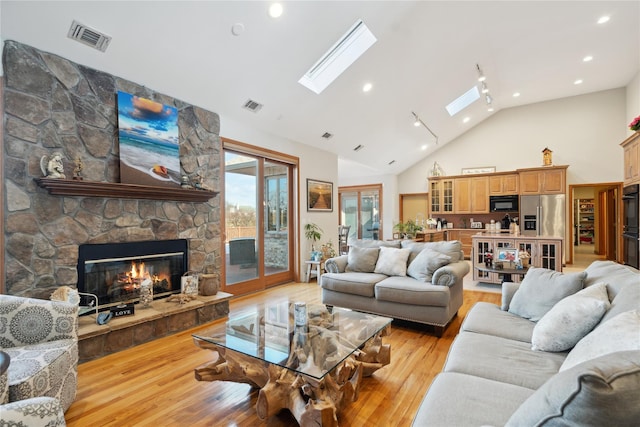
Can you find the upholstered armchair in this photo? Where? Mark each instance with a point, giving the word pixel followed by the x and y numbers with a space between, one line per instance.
pixel 41 338
pixel 34 412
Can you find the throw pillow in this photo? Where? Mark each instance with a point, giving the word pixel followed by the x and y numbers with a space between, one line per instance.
pixel 362 259
pixel 392 261
pixel 426 263
pixel 618 334
pixel 541 289
pixel 570 319
pixel 600 392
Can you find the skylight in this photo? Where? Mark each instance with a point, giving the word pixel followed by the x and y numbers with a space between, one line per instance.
pixel 338 58
pixel 463 101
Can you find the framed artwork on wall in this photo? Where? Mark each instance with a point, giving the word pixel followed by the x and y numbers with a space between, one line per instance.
pixel 148 142
pixel 319 196
pixel 482 169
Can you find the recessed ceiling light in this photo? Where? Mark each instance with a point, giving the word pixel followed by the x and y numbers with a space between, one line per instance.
pixel 578 82
pixel 587 58
pixel 275 10
pixel 490 109
pixel 603 19
pixel 516 94
pixel 466 119
pixel 367 87
pixel 424 147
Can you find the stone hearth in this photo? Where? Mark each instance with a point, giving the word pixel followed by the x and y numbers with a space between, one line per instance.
pixel 161 319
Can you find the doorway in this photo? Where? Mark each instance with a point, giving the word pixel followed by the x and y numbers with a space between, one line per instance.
pixel 360 208
pixel 595 218
pixel 258 204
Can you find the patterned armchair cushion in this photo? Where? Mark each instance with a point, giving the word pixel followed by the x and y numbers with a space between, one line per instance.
pixel 25 321
pixel 40 336
pixel 35 412
pixel 47 369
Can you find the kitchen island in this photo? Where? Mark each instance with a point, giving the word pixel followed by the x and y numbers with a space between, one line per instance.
pixel 544 251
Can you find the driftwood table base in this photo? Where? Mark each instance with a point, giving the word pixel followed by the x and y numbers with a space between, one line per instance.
pixel 313 402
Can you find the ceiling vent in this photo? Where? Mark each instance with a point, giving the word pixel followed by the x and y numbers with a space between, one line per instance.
pixel 89 36
pixel 252 105
pixel 327 135
pixel 359 147
pixel 391 162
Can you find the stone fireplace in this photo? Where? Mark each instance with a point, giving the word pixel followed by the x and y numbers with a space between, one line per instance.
pixel 53 104
pixel 114 271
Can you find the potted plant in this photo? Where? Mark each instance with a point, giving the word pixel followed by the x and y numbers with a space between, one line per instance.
pixel 314 233
pixel 400 228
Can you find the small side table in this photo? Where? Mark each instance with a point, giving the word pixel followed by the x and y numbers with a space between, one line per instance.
pixel 314 267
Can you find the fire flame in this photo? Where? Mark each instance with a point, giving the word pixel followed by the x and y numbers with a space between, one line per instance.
pixel 138 271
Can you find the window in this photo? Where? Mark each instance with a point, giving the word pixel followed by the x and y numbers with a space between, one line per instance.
pixel 277 203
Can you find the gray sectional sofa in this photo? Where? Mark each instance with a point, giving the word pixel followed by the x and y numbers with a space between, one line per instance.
pixel 584 371
pixel 416 281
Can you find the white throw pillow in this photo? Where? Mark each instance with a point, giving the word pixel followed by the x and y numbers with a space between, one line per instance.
pixel 426 263
pixel 618 334
pixel 541 289
pixel 392 261
pixel 570 319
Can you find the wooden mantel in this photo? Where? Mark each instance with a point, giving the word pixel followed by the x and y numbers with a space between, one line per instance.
pixel 68 187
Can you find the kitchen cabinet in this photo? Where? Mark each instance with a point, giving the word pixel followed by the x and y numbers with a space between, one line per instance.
pixel 545 180
pixel 503 185
pixel 545 252
pixel 430 236
pixel 631 147
pixel 471 195
pixel 441 196
pixel 464 237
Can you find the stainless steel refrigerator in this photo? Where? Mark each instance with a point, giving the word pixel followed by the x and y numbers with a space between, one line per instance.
pixel 543 215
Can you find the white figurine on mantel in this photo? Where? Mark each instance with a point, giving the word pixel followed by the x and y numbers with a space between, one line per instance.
pixel 52 167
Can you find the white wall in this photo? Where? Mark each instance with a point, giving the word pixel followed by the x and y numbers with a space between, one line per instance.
pixel 314 163
pixel 633 100
pixel 583 132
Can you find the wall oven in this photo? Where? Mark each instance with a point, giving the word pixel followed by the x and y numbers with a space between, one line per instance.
pixel 631 225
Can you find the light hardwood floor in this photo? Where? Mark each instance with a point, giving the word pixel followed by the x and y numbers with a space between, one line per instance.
pixel 153 384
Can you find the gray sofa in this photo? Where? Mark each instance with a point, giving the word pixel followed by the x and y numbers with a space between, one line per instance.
pixel 493 377
pixel 415 281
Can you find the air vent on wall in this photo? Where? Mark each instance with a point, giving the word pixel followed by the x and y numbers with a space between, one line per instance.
pixel 327 135
pixel 252 105
pixel 89 36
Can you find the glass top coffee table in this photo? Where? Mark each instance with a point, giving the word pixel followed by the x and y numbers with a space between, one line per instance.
pixel 304 358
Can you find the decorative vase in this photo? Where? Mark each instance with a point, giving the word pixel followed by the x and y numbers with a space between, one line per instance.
pixel 525 262
pixel 146 293
pixel 209 284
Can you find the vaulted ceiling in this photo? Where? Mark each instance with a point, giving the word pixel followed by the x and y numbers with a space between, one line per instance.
pixel 425 56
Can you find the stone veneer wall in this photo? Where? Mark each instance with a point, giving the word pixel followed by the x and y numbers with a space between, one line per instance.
pixel 52 104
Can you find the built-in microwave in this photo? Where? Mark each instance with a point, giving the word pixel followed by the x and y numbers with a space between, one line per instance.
pixel 503 203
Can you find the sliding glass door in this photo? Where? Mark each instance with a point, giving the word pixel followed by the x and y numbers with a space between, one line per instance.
pixel 257 217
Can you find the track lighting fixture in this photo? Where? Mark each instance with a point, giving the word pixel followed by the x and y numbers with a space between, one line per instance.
pixel 418 122
pixel 484 88
pixel 481 76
